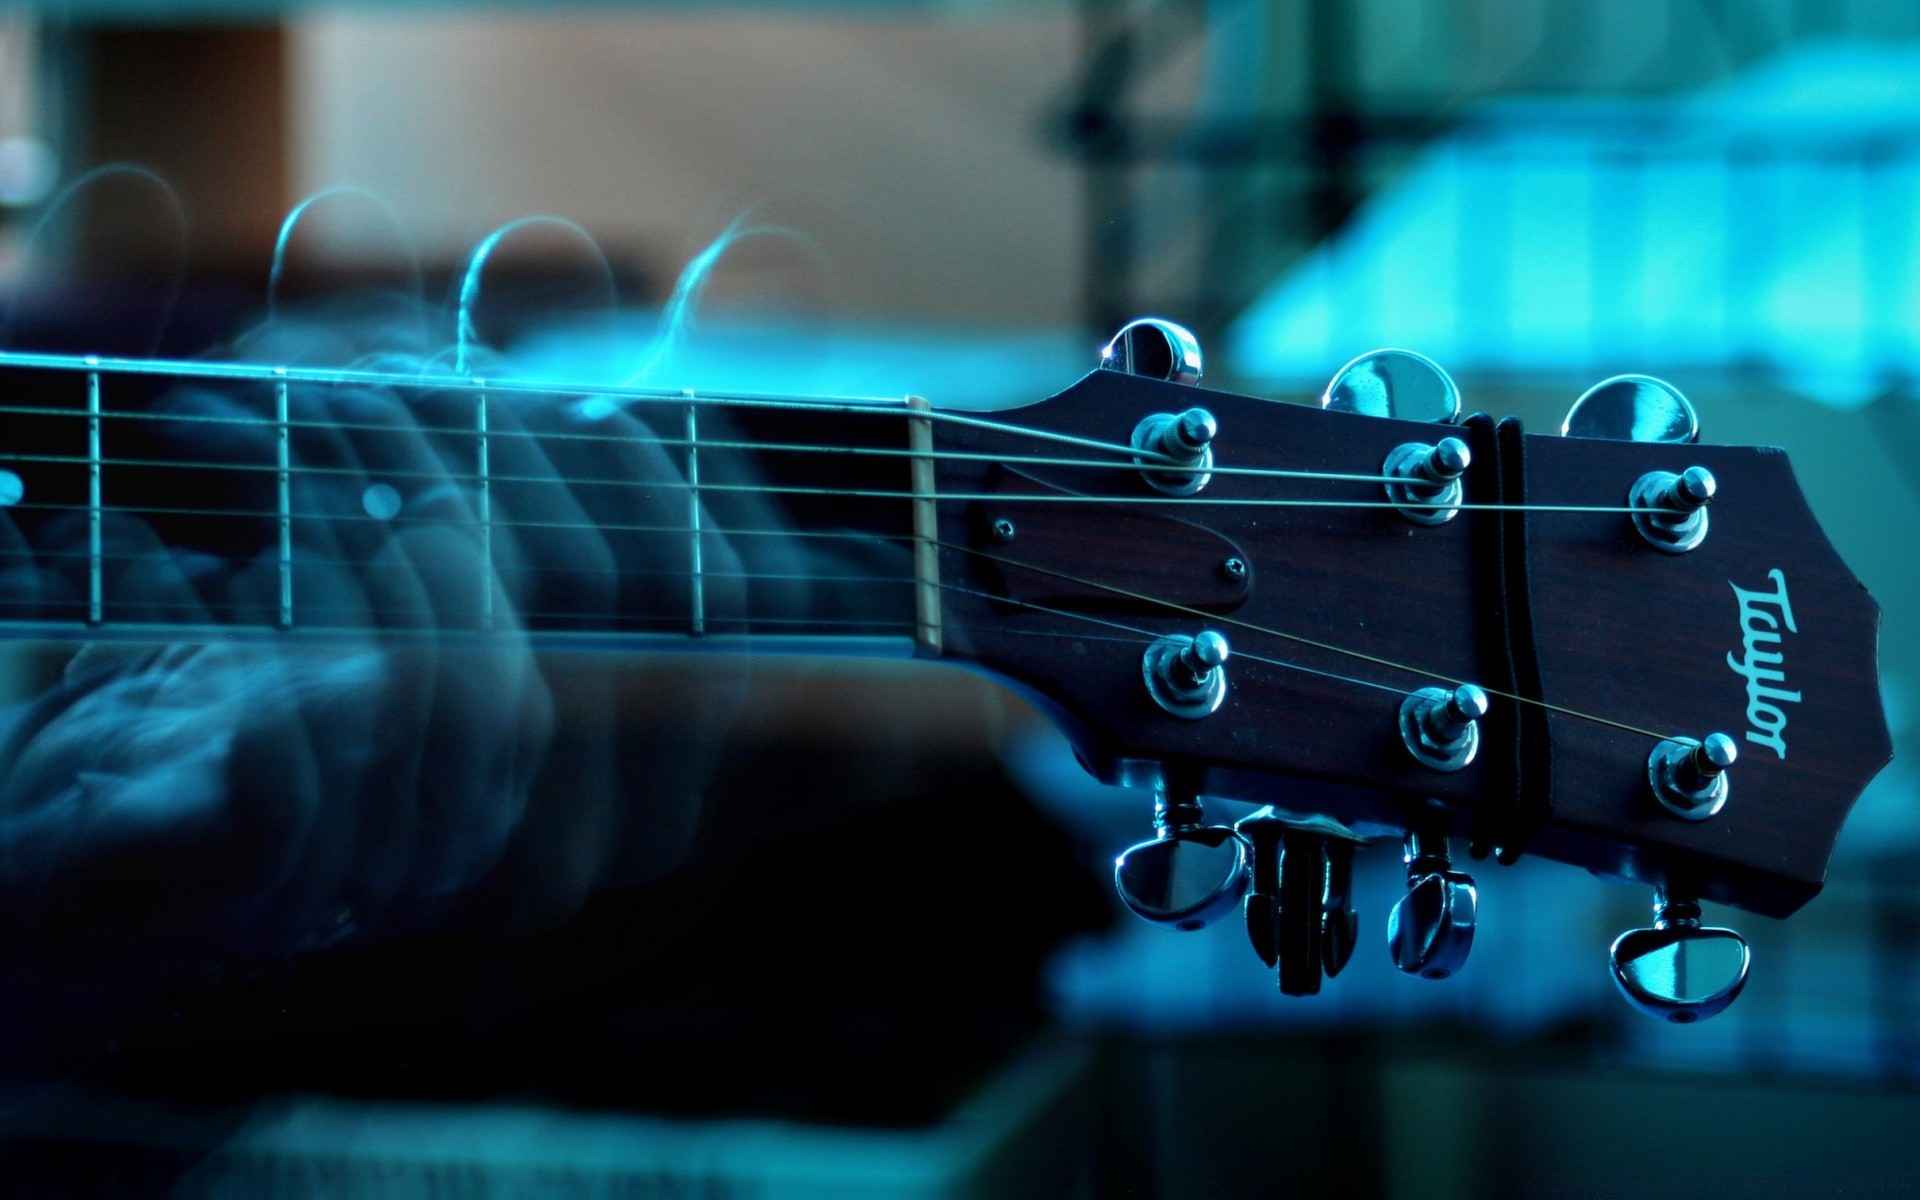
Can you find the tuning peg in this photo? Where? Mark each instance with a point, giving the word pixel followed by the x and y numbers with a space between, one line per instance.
pixel 1264 832
pixel 1633 408
pixel 1154 348
pixel 1341 928
pixel 1189 874
pixel 1442 728
pixel 1187 676
pixel 1430 930
pixel 1394 383
pixel 1679 971
pixel 1689 778
pixel 1298 907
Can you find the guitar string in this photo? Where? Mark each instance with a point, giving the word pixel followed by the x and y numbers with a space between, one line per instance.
pixel 1173 606
pixel 808 405
pixel 888 406
pixel 1302 640
pixel 1013 498
pixel 672 623
pixel 892 407
pixel 1148 637
pixel 1164 466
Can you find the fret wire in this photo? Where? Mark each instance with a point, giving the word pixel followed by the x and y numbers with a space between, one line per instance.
pixel 485 510
pixel 94 569
pixel 285 464
pixel 697 600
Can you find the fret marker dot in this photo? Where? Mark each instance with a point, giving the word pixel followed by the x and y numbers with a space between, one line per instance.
pixel 381 501
pixel 12 489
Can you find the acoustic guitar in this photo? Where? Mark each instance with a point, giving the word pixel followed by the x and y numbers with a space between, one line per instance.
pixel 1617 648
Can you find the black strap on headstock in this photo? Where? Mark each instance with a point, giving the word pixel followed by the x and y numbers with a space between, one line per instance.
pixel 1517 740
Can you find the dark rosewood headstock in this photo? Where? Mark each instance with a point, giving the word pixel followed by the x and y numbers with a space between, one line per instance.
pixel 1336 612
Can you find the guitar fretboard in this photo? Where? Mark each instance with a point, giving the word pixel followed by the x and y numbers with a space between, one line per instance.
pixel 158 499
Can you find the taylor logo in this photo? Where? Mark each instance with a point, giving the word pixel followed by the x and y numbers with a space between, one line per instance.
pixel 1762 662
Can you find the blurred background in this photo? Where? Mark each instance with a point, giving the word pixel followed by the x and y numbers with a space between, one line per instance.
pixel 920 985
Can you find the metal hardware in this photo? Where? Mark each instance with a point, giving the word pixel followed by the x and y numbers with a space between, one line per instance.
pixel 1191 873
pixel 1178 450
pixel 1430 930
pixel 1395 383
pixel 1234 568
pixel 1656 493
pixel 1679 971
pixel 1299 900
pixel 1689 778
pixel 1154 348
pixel 1432 477
pixel 1442 728
pixel 1633 408
pixel 1187 676
pixel 1003 530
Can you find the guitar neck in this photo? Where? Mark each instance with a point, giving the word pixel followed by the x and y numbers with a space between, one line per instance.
pixel 152 500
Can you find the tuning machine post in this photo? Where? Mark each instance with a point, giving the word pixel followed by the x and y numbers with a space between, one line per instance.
pixel 1441 728
pixel 1190 873
pixel 1430 930
pixel 1427 479
pixel 1187 676
pixel 1679 970
pixel 1176 450
pixel 1299 903
pixel 1670 510
pixel 1689 778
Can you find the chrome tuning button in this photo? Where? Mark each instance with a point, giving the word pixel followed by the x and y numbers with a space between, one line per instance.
pixel 1154 348
pixel 1430 930
pixel 1427 478
pixel 1669 510
pixel 1191 873
pixel 1299 906
pixel 1187 676
pixel 1394 383
pixel 1176 450
pixel 1633 408
pixel 1689 778
pixel 1678 970
pixel 1442 728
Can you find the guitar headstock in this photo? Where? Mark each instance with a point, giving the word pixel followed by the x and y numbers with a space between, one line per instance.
pixel 1639 657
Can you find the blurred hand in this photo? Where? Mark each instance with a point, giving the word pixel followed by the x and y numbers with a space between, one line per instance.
pixel 164 809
